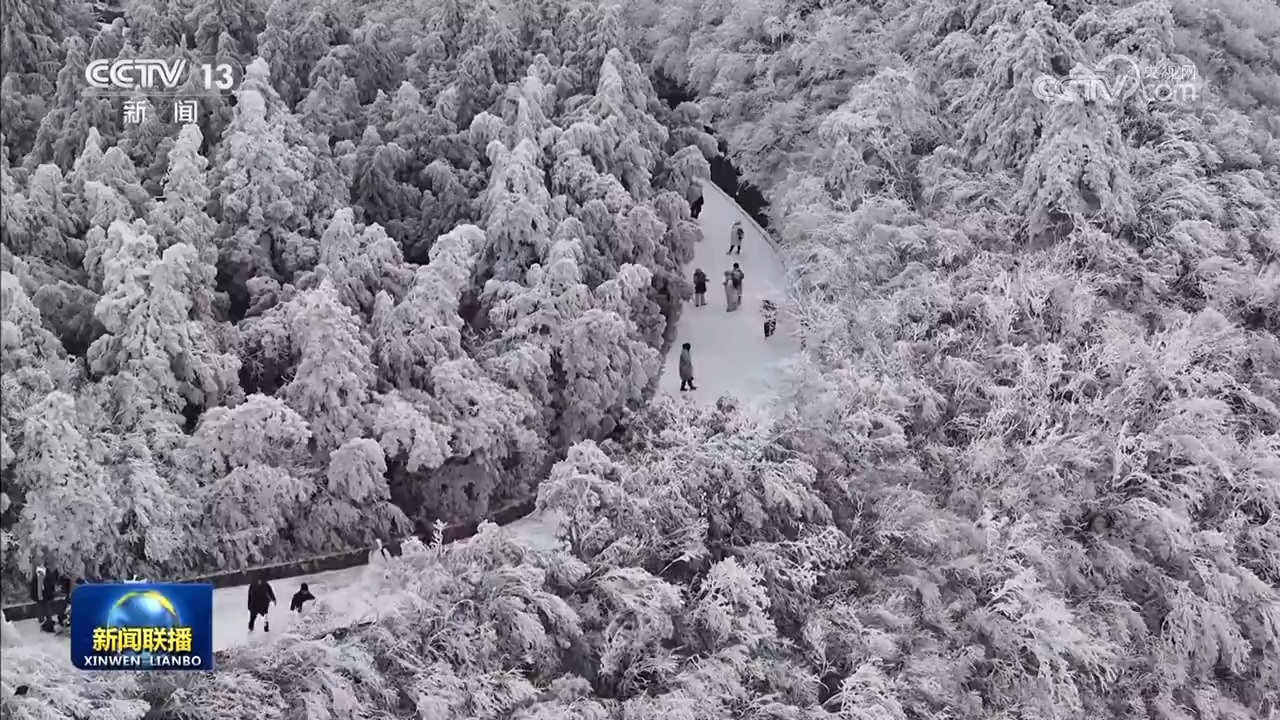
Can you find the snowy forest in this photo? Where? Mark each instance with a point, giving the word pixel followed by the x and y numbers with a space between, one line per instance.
pixel 427 261
pixel 391 282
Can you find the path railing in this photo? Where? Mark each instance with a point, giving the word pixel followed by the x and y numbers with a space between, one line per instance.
pixel 754 223
pixel 307 566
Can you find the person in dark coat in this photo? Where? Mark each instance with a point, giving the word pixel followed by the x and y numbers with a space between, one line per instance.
pixel 300 597
pixel 64 590
pixel 695 209
pixel 686 368
pixel 65 617
pixel 261 598
pixel 699 288
pixel 44 585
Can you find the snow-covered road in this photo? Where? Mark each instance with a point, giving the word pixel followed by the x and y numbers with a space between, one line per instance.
pixel 344 591
pixel 730 356
pixel 730 353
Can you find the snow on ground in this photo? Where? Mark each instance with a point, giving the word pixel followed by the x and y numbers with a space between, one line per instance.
pixel 344 591
pixel 340 588
pixel 730 357
pixel 730 353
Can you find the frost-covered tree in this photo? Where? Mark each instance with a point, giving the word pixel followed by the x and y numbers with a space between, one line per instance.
pixel 32 366
pixel 409 126
pixel 1079 170
pixel 629 134
pixel 377 189
pixel 446 203
pixel 281 46
pixel 250 460
pixel 226 27
pixel 161 23
pixel 330 386
pixel 181 218
pixel 271 188
pixel 30 58
pixel 424 329
pixel 69 511
pixel 147 142
pixel 362 265
pixel 586 361
pixel 447 406
pixel 332 109
pixel 150 335
pixel 155 513
pixel 116 170
pixel 516 210
pixel 353 507
pixel 486 27
pixel 51 233
pixel 73 113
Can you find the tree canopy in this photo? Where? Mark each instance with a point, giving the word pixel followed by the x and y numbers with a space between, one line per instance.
pixel 365 250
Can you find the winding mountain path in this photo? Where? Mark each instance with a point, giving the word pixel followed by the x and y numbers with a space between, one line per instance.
pixel 730 357
pixel 730 353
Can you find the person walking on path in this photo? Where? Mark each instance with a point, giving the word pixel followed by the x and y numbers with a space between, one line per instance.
pixel 43 586
pixel 302 596
pixel 686 368
pixel 735 239
pixel 65 586
pixel 730 297
pixel 736 277
pixel 699 288
pixel 770 318
pixel 261 597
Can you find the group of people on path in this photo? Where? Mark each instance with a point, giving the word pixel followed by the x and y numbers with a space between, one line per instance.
pixel 732 287
pixel 733 277
pixel 262 597
pixel 48 587
pixel 733 280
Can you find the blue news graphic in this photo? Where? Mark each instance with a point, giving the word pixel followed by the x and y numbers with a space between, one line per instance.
pixel 142 626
